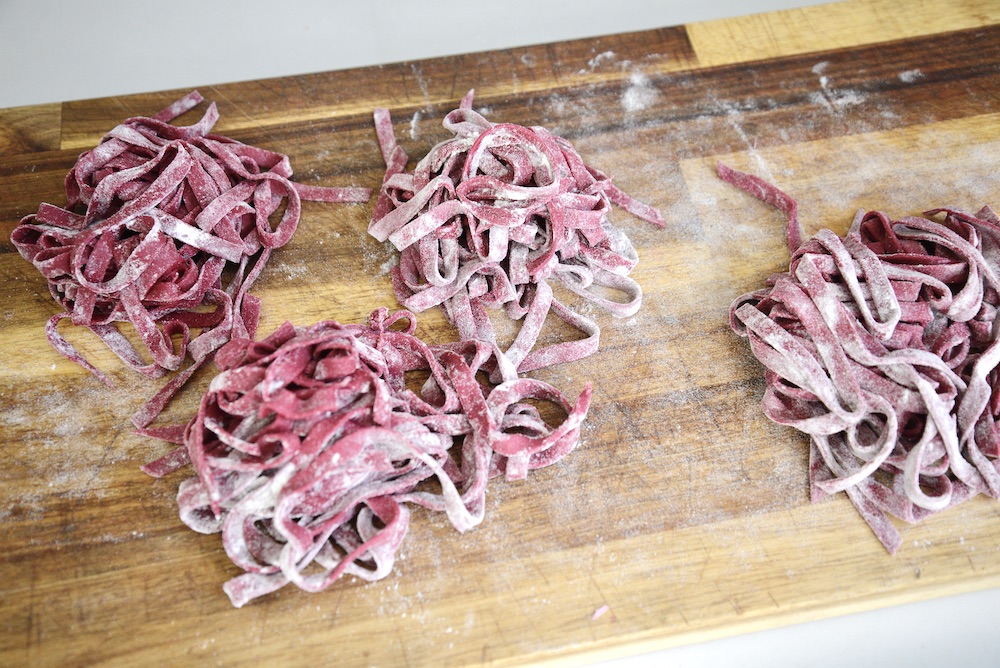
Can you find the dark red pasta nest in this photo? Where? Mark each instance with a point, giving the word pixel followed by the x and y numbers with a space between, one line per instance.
pixel 490 217
pixel 883 346
pixel 154 215
pixel 308 446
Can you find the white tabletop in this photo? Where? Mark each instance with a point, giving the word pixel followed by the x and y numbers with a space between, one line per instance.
pixel 114 47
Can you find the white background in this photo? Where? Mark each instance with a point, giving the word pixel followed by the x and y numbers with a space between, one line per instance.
pixel 60 50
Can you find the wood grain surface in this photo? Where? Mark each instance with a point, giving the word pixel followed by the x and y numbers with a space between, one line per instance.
pixel 683 510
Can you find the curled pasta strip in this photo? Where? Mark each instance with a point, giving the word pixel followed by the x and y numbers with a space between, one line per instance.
pixel 309 445
pixel 883 347
pixel 491 215
pixel 162 221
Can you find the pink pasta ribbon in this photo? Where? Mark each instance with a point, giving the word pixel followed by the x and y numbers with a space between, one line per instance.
pixel 155 214
pixel 489 218
pixel 308 447
pixel 883 346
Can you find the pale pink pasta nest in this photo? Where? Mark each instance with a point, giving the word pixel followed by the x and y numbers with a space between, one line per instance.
pixel 492 217
pixel 166 228
pixel 883 346
pixel 308 447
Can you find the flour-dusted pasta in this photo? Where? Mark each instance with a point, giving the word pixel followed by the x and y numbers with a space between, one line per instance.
pixel 309 445
pixel 155 215
pixel 491 217
pixel 883 346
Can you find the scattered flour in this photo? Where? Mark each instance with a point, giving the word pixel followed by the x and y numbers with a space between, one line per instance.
pixel 640 94
pixel 62 456
pixel 293 271
pixel 418 76
pixel 910 76
pixel 733 117
pixel 413 124
pixel 605 60
pixel 837 100
pixel 601 58
pixel 834 99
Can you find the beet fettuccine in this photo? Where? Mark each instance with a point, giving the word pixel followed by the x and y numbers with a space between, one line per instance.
pixel 165 229
pixel 883 346
pixel 309 446
pixel 494 216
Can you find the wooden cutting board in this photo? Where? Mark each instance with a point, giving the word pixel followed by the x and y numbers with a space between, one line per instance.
pixel 684 511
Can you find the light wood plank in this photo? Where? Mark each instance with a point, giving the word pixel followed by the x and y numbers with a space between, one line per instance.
pixel 827 27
